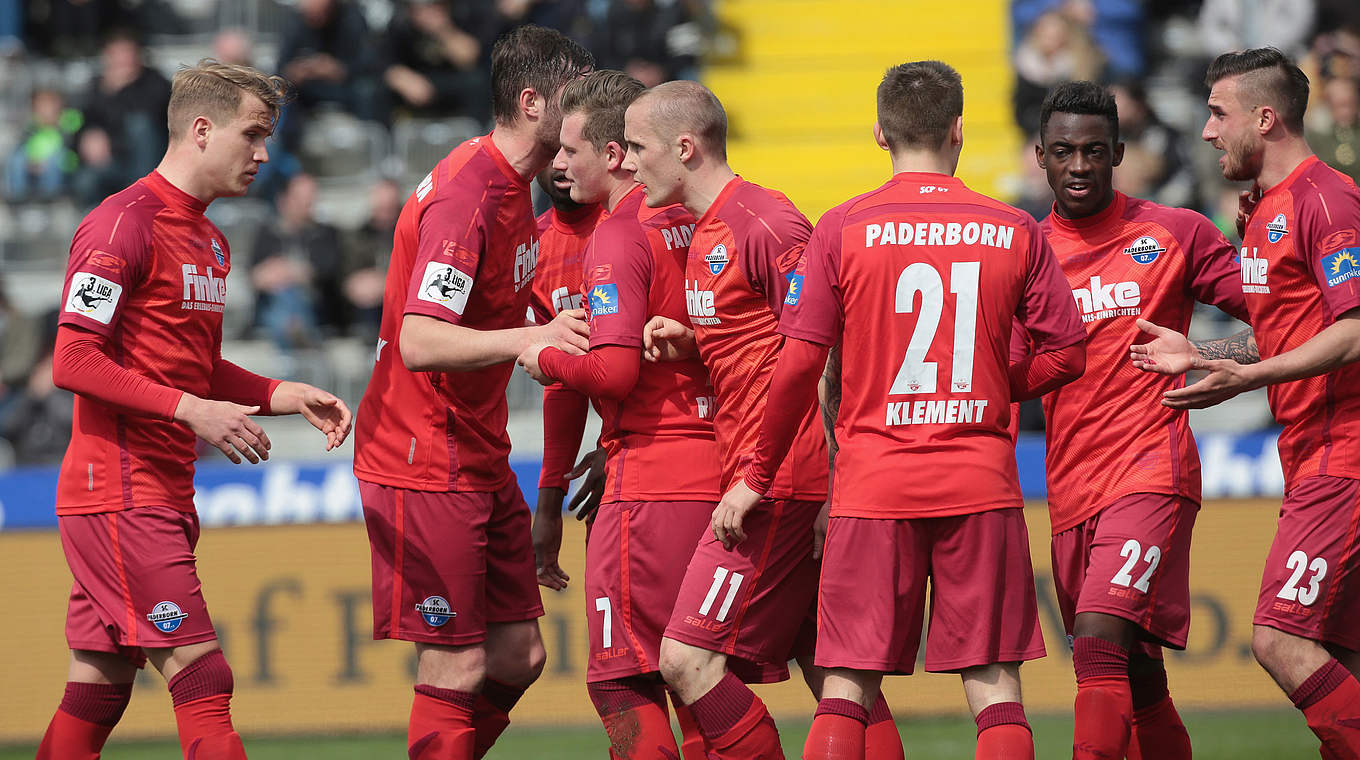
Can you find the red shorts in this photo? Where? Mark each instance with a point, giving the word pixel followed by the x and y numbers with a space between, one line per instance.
pixel 751 603
pixel 983 608
pixel 136 584
pixel 1131 560
pixel 635 560
pixel 1311 585
pixel 445 564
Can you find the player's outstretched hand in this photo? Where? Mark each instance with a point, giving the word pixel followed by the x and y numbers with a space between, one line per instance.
pixel 1246 203
pixel 226 426
pixel 587 498
pixel 528 359
pixel 568 331
pixel 819 530
pixel 326 411
pixel 1226 379
pixel 1168 353
pixel 730 513
pixel 547 537
pixel 666 340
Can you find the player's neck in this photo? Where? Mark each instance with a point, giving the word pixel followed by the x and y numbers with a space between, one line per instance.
pixel 1281 159
pixel 178 169
pixel 521 149
pixel 930 162
pixel 622 184
pixel 704 186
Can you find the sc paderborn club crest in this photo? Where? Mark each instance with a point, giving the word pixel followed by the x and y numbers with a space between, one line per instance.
pixel 436 610
pixel 166 616
pixel 218 254
pixel 716 259
pixel 1145 250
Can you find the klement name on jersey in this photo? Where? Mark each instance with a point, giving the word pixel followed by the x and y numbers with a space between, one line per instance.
pixel 1101 301
pixel 700 304
pixel 953 411
pixel 604 299
pixel 1341 266
pixel 203 292
pixel 1254 272
pixel 678 236
pixel 94 296
pixel 939 233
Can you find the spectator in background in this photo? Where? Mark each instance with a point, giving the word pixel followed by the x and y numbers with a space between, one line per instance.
pixel 367 251
pixel 1057 48
pixel 43 160
pixel 1155 164
pixel 436 67
pixel 1240 24
pixel 1337 141
pixel 329 55
pixel 11 27
pixel 1116 27
pixel 652 40
pixel 296 272
pixel 124 134
pixel 38 422
pixel 235 46
pixel 21 341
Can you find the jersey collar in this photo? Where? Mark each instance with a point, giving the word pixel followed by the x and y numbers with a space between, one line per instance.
pixel 578 220
pixel 1303 166
pixel 173 196
pixel 721 199
pixel 489 145
pixel 1074 226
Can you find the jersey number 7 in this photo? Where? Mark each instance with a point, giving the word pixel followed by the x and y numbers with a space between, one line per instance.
pixel 916 375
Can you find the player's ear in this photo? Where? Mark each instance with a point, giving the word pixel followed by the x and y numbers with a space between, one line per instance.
pixel 956 133
pixel 199 130
pixel 685 144
pixel 879 138
pixel 1266 118
pixel 1117 155
pixel 1039 154
pixel 531 103
pixel 615 153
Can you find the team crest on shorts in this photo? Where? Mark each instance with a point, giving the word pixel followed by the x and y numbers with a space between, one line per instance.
pixel 166 616
pixel 1277 228
pixel 218 254
pixel 436 610
pixel 717 259
pixel 1145 250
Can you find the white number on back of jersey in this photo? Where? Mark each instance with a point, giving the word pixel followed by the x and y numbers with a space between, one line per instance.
pixel 719 575
pixel 1298 562
pixel 1131 550
pixel 602 605
pixel 916 375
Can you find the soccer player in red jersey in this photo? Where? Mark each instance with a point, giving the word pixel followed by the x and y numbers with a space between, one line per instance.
pixel 1123 472
pixel 563 232
pixel 920 281
pixel 741 608
pixel 453 562
pixel 1300 269
pixel 140 344
pixel 661 470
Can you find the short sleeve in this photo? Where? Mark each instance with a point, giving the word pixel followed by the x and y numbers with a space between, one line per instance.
pixel 110 256
pixel 1330 230
pixel 1046 309
pixel 1215 273
pixel 770 253
pixel 451 237
pixel 617 286
pixel 812 305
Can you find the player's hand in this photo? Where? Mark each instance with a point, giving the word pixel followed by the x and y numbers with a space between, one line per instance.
pixel 1168 353
pixel 730 513
pixel 529 361
pixel 1246 203
pixel 547 537
pixel 666 340
pixel 588 495
pixel 819 530
pixel 326 411
pixel 568 331
pixel 226 426
pixel 1226 379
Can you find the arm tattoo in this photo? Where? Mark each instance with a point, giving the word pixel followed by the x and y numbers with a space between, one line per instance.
pixel 831 405
pixel 1240 347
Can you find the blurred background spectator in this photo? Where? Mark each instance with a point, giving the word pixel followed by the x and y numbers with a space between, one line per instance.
pixel 435 66
pixel 1336 131
pixel 367 251
pixel 1155 163
pixel 328 53
pixel 654 40
pixel 37 424
pixel 1057 48
pixel 296 272
pixel 44 160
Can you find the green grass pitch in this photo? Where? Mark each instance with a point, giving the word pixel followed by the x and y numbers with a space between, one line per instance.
pixel 1274 735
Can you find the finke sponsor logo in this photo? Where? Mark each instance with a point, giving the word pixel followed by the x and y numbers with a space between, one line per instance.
pixel 94 296
pixel 1254 271
pixel 202 292
pixel 701 305
pixel 1102 301
pixel 526 263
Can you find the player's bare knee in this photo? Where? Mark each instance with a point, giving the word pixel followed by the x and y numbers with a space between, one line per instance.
pixel 536 660
pixel 1268 647
pixel 679 663
pixel 458 668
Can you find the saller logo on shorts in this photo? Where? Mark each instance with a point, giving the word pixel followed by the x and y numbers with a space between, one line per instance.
pixel 436 610
pixel 166 616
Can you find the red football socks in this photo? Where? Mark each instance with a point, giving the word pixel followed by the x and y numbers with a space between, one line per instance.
pixel 1003 733
pixel 1158 733
pixel 692 744
pixel 84 719
pixel 1104 704
pixel 1330 701
pixel 633 711
pixel 491 714
pixel 838 731
pixel 201 694
pixel 881 740
pixel 441 724
pixel 735 722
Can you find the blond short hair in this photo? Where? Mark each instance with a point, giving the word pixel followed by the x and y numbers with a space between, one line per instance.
pixel 214 89
pixel 603 96
pixel 683 105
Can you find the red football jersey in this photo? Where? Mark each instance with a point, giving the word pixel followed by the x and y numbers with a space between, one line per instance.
pixel 1108 433
pixel 920 282
pixel 464 251
pixel 562 238
pixel 149 273
pixel 658 440
pixel 1300 271
pixel 741 260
